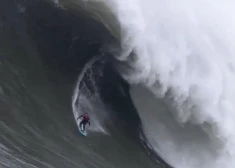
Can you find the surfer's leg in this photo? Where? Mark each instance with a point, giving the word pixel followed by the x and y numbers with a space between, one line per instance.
pixel 84 125
pixel 80 124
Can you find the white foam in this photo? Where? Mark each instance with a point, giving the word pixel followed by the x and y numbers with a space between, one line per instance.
pixel 185 55
pixel 83 101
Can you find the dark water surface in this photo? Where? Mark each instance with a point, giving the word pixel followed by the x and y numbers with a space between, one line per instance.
pixel 42 51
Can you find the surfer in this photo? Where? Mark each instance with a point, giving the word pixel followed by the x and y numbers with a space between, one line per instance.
pixel 85 120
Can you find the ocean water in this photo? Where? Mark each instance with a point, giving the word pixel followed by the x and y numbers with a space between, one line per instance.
pixel 156 77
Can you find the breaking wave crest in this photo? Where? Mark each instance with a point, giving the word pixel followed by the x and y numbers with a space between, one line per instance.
pixel 179 59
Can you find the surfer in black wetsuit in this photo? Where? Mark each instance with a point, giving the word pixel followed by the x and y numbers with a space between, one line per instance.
pixel 85 120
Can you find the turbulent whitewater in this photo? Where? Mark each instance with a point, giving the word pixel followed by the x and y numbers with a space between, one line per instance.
pixel 178 57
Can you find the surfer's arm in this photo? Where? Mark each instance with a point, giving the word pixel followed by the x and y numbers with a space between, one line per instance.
pixel 89 123
pixel 80 117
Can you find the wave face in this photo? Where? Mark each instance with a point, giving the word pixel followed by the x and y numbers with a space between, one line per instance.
pixel 44 48
pixel 178 57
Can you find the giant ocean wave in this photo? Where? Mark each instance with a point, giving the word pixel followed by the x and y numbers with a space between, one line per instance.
pixel 178 58
pixel 173 60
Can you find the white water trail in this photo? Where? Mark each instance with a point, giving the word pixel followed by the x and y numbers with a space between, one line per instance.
pixel 84 101
pixel 183 75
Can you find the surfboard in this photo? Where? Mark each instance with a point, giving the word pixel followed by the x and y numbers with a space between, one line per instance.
pixel 83 132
